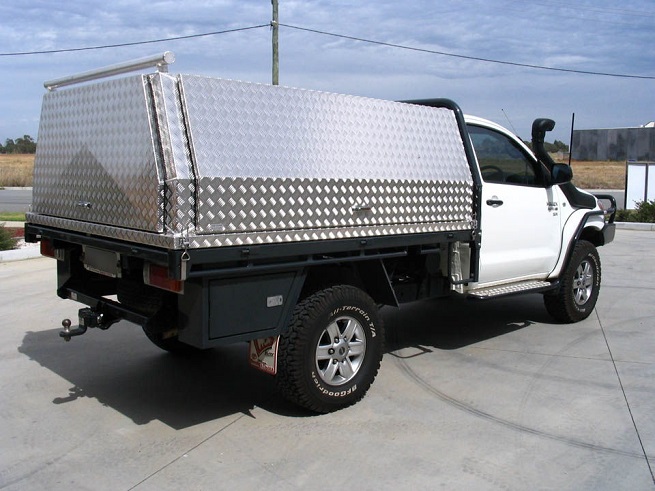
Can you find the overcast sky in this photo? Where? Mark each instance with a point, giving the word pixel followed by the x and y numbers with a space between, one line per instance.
pixel 585 35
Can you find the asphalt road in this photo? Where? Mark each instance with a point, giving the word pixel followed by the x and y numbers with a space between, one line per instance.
pixel 15 199
pixel 470 396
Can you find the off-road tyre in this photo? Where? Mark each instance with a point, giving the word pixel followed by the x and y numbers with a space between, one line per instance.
pixel 319 372
pixel 171 344
pixel 579 286
pixel 150 301
pixel 142 298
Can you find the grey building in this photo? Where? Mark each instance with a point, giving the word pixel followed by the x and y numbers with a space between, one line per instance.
pixel 615 144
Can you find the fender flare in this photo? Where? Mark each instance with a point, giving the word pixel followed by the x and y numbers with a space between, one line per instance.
pixel 605 231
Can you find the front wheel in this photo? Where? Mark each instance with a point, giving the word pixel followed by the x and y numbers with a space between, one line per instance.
pixel 331 353
pixel 579 286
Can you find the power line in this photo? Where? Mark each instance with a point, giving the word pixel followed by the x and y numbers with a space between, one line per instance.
pixel 474 58
pixel 342 36
pixel 135 43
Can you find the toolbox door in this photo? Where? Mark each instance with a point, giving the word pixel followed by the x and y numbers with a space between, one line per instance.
pixel 97 159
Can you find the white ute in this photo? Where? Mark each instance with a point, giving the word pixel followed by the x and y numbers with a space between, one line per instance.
pixel 210 211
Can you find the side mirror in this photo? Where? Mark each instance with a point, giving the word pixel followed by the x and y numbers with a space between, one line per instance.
pixel 561 174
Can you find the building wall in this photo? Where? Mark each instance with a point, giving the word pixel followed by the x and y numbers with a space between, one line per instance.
pixel 614 144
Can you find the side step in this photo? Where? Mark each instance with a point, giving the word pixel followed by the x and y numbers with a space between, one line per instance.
pixel 532 286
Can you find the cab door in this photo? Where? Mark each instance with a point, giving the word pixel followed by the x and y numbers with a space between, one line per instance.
pixel 520 216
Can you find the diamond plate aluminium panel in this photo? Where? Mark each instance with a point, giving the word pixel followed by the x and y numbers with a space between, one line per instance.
pixel 253 205
pixel 343 154
pixel 277 237
pixel 502 290
pixel 182 241
pixel 170 141
pixel 96 160
pixel 180 196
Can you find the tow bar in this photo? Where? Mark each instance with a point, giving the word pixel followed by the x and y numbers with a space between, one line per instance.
pixel 88 318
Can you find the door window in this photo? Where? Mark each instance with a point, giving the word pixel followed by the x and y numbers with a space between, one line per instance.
pixel 501 160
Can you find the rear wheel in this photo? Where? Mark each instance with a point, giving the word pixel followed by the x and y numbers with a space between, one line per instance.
pixel 168 341
pixel 579 286
pixel 331 353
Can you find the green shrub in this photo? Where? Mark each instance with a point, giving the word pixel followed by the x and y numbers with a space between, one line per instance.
pixel 7 240
pixel 645 211
pixel 625 216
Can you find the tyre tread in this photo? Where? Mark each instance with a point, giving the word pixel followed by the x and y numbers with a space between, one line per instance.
pixel 560 305
pixel 290 377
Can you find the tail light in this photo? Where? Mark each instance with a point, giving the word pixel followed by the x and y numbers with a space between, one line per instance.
pixel 48 249
pixel 157 276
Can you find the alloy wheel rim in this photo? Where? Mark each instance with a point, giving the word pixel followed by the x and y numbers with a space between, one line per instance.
pixel 583 282
pixel 340 351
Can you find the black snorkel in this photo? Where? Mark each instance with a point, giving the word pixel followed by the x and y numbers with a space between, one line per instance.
pixel 559 173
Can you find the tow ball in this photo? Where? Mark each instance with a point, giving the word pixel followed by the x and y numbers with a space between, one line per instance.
pixel 68 333
pixel 88 318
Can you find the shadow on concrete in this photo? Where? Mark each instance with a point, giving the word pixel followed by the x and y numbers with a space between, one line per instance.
pixel 122 370
pixel 453 323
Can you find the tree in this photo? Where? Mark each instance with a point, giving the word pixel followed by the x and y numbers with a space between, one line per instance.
pixel 555 147
pixel 561 146
pixel 10 146
pixel 26 144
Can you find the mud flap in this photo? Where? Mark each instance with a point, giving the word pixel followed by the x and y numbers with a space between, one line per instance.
pixel 262 354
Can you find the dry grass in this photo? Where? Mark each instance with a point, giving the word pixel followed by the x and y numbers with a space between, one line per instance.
pixel 18 170
pixel 599 175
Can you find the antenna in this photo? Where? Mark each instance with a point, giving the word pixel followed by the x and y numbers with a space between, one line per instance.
pixel 571 140
pixel 510 123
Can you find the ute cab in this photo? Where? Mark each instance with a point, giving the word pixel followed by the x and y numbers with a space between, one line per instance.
pixel 531 214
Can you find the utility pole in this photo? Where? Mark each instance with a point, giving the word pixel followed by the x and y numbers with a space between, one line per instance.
pixel 276 55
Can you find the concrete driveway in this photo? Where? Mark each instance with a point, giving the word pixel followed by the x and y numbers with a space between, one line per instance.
pixel 470 396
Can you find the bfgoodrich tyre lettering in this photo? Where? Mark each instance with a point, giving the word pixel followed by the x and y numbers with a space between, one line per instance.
pixel 331 352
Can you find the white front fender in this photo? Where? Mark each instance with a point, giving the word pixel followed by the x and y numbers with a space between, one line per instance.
pixel 571 232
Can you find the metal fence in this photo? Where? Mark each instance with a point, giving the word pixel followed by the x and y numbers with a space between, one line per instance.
pixel 636 144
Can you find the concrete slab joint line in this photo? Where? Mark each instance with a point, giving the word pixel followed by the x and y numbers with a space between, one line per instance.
pixel 625 397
